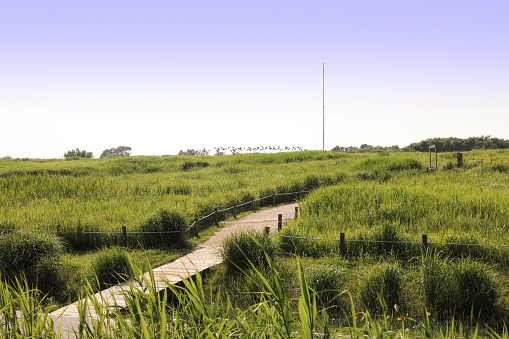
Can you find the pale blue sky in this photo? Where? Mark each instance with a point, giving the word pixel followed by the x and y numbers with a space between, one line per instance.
pixel 161 76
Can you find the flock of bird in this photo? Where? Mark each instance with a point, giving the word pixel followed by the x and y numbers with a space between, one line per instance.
pixel 235 150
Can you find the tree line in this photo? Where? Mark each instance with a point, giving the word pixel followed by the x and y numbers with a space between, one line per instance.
pixel 120 151
pixel 451 144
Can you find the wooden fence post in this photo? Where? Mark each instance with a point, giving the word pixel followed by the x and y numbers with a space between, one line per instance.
pixel 342 244
pixel 124 236
pixel 196 225
pixel 216 216
pixel 299 195
pixel 425 241
pixel 296 212
pixel 252 204
pixel 235 210
pixel 182 229
pixel 279 222
pixel 274 198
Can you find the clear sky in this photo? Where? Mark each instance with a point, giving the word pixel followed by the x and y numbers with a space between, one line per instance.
pixel 160 76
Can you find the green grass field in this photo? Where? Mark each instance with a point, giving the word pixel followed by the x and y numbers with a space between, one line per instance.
pixel 106 194
pixel 368 197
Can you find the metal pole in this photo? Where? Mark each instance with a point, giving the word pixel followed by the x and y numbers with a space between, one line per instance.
pixel 323 103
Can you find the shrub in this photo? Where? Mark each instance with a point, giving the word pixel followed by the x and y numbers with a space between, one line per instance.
pixel 240 251
pixel 381 289
pixel 112 266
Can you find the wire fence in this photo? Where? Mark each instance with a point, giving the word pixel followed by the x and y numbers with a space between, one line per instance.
pixel 425 243
pixel 193 227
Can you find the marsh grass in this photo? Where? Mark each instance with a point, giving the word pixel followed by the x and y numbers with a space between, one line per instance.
pixel 111 266
pixel 464 288
pixel 34 257
pixel 380 289
pixel 328 281
pixel 85 199
pixel 242 250
pixel 194 314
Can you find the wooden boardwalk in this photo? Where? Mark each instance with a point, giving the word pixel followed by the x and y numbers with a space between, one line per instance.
pixel 206 255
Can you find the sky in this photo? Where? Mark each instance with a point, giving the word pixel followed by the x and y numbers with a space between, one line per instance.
pixel 163 76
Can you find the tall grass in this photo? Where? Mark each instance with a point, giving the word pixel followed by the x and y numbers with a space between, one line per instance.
pixel 240 251
pixel 193 314
pixel 103 195
pixel 448 206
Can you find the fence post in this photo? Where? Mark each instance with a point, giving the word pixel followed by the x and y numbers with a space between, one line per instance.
pixel 425 241
pixel 252 203
pixel 235 210
pixel 342 244
pixel 299 195
pixel 216 216
pixel 274 198
pixel 182 229
pixel 296 212
pixel 124 236
pixel 267 230
pixel 196 225
pixel 279 222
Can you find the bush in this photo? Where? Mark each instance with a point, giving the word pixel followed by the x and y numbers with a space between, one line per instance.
pixel 33 255
pixel 112 266
pixel 381 289
pixel 22 250
pixel 162 221
pixel 243 249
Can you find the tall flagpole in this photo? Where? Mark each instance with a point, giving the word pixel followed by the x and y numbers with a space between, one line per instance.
pixel 323 102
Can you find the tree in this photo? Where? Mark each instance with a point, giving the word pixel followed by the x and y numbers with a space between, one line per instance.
pixel 193 151
pixel 76 153
pixel 120 151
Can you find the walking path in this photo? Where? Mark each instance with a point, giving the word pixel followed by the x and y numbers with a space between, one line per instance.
pixel 205 255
